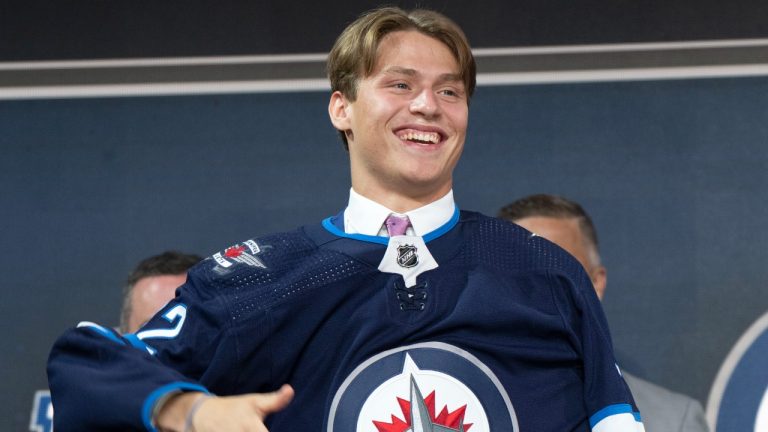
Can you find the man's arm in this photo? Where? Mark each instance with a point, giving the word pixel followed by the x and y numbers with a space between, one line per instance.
pixel 101 380
pixel 609 402
pixel 220 414
pixel 694 420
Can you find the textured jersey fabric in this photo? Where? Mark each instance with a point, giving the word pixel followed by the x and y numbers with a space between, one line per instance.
pixel 506 334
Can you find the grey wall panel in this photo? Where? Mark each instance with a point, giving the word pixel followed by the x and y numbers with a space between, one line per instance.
pixel 673 173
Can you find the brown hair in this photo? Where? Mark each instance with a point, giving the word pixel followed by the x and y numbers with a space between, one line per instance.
pixel 353 56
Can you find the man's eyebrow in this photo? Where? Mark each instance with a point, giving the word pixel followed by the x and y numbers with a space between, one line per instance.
pixel 398 70
pixel 450 77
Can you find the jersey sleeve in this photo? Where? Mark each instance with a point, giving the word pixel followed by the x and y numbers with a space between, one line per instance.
pixel 607 397
pixel 101 380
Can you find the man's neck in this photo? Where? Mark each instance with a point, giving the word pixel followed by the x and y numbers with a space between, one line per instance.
pixel 400 202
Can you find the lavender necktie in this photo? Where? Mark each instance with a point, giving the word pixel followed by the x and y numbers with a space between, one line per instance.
pixel 396 225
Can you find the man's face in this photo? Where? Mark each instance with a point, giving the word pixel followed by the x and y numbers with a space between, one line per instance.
pixel 149 295
pixel 407 127
pixel 566 233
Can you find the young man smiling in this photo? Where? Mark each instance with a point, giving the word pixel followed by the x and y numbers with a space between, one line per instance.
pixel 405 123
pixel 399 313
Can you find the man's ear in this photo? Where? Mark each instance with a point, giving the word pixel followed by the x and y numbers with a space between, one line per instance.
pixel 338 110
pixel 599 278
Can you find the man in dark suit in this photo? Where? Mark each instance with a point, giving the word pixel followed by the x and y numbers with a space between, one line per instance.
pixel 565 223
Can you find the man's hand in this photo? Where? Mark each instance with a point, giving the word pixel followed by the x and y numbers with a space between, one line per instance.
pixel 223 414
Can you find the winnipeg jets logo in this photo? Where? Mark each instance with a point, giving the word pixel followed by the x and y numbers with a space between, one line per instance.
pixel 403 394
pixel 386 393
pixel 406 256
pixel 419 415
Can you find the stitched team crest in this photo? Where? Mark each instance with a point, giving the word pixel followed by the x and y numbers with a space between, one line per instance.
pixel 244 253
pixel 406 256
pixel 427 387
pixel 419 415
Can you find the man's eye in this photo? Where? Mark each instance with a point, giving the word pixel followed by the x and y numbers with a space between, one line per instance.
pixel 451 92
pixel 401 86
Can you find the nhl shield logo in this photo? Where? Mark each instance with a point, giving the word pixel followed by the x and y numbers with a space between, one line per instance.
pixel 406 256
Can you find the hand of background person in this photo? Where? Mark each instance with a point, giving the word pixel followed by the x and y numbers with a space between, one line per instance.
pixel 223 414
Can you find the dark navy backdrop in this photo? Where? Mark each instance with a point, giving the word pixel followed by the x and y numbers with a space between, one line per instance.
pixel 673 172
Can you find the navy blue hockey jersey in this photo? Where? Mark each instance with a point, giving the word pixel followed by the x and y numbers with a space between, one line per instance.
pixel 506 334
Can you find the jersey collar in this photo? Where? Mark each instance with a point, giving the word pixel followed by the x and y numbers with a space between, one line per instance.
pixel 363 219
pixel 366 217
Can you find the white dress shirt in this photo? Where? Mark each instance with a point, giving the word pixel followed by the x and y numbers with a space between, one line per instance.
pixel 364 216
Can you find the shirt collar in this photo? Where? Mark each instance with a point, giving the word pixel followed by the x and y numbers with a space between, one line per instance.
pixel 365 216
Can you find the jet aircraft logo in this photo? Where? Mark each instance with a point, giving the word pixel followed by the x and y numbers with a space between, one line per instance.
pixel 419 415
pixel 386 394
pixel 244 253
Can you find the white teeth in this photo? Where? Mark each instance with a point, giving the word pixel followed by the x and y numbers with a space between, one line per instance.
pixel 431 137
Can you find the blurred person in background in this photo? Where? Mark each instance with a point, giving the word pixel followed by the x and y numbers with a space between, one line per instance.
pixel 565 223
pixel 151 285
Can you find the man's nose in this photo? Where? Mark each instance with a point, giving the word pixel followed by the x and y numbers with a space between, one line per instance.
pixel 425 103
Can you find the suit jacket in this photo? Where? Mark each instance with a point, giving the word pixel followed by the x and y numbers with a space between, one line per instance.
pixel 663 410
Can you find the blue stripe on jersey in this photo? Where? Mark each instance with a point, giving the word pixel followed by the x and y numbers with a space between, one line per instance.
pixel 107 333
pixel 333 229
pixel 155 396
pixel 611 410
pixel 138 343
pixel 327 224
pixel 445 228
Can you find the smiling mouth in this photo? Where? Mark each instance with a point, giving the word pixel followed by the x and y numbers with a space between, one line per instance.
pixel 421 137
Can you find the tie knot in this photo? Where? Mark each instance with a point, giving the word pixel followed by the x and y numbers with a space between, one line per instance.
pixel 397 225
